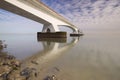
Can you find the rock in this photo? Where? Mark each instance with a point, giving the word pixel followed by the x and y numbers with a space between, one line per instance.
pixel 5 70
pixel 1 78
pixel 25 72
pixel 9 66
pixel 15 75
pixel 16 63
pixel 34 62
pixel 10 57
pixel 4 76
pixel 53 77
pixel 2 45
pixel 29 73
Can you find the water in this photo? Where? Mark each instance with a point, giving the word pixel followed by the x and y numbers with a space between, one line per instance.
pixel 90 57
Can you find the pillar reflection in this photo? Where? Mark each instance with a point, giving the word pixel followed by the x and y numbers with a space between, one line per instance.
pixel 52 50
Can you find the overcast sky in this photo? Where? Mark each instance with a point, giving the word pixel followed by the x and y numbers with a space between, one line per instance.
pixel 88 15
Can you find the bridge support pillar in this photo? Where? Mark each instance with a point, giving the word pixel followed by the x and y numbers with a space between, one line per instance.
pixel 50 28
pixel 51 31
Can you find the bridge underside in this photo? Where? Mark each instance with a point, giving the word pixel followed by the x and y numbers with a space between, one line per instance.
pixel 50 23
pixel 9 7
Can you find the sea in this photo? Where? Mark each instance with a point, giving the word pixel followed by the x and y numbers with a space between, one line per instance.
pixel 88 57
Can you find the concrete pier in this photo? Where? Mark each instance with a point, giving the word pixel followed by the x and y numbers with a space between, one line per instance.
pixel 52 34
pixel 74 35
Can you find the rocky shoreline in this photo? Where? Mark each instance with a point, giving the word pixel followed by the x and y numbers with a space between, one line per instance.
pixel 10 67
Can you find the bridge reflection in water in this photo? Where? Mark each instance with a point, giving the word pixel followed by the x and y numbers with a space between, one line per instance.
pixel 52 49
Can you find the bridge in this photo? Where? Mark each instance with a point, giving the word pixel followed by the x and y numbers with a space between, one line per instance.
pixel 37 11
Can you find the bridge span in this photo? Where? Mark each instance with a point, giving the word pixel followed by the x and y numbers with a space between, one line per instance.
pixel 37 11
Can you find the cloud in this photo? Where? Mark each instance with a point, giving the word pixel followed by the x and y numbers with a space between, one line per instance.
pixel 86 14
pixel 89 14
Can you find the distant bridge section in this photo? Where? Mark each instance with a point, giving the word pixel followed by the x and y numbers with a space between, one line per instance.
pixel 37 11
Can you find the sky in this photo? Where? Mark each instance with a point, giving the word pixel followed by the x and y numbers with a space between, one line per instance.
pixel 12 23
pixel 88 15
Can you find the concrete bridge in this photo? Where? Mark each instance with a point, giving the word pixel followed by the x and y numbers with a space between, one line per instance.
pixel 37 11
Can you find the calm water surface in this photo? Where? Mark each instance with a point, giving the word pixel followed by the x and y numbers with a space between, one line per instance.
pixel 90 57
